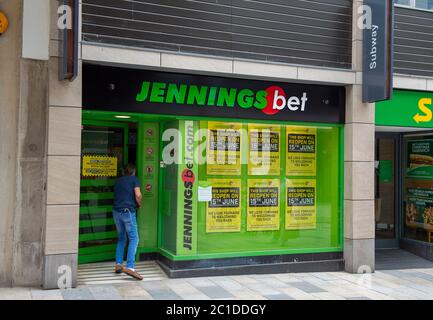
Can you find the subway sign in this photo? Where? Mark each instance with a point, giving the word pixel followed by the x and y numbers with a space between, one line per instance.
pixel 406 109
pixel 378 47
pixel 138 91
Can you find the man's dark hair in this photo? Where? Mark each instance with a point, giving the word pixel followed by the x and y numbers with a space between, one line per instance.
pixel 129 170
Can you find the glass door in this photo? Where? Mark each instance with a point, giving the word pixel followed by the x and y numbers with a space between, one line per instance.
pixel 386 190
pixel 106 148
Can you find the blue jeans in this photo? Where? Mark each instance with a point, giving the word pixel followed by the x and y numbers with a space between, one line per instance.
pixel 126 225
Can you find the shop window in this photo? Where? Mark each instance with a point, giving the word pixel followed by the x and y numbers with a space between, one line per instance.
pixel 403 2
pixel 271 188
pixel 418 187
pixel 253 189
pixel 424 4
pixel 418 4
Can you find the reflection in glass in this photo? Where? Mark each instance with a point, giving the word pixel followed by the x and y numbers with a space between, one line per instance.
pixel 424 4
pixel 418 188
pixel 403 2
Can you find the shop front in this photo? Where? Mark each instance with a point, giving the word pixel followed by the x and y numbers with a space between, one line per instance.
pixel 404 188
pixel 237 175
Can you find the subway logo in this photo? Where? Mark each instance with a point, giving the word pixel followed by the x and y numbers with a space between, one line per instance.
pixel 270 100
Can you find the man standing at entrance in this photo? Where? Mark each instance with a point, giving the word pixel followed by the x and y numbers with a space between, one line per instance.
pixel 127 198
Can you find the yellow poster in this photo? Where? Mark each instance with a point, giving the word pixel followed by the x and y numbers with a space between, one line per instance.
pixel 301 151
pixel 223 212
pixel 263 205
pixel 301 204
pixel 264 149
pixel 99 166
pixel 224 148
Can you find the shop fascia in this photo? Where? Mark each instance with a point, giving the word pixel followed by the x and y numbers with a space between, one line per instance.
pixel 270 100
pixel 406 109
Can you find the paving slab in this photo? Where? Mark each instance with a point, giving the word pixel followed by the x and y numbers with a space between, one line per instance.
pixel 422 275
pixel 263 289
pixel 78 294
pixel 307 287
pixel 228 284
pixel 326 276
pixel 165 294
pixel 39 294
pixel 247 295
pixel 194 296
pixel 281 296
pixel 15 294
pixel 107 292
pixel 187 290
pixel 216 292
pixel 133 292
pixel 399 260
pixel 245 279
pixel 276 283
pixel 287 277
pixel 298 294
pixel 200 282
pixel 327 296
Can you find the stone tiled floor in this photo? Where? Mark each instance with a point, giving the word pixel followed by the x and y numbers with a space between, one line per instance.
pixel 389 285
pixel 414 283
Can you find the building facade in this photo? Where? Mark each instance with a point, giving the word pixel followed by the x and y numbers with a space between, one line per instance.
pixel 240 187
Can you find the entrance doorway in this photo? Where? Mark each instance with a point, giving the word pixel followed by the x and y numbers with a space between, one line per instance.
pixel 106 148
pixel 387 195
pixel 108 144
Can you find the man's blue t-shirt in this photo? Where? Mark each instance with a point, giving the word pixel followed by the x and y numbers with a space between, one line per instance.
pixel 124 195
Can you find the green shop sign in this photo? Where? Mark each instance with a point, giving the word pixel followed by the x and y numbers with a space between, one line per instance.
pixel 152 92
pixel 406 109
pixel 187 197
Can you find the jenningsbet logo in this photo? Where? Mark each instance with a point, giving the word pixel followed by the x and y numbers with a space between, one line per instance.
pixel 270 100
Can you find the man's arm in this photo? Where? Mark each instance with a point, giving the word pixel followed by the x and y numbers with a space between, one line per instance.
pixel 138 196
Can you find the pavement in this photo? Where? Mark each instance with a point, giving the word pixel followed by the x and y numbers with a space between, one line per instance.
pixel 414 283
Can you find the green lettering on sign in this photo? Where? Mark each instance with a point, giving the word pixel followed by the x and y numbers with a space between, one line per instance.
pixel 246 98
pixel 226 97
pixel 261 101
pixel 158 91
pixel 176 93
pixel 197 95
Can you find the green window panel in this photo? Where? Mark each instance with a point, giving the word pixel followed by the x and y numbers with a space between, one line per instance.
pixel 96 223
pixel 97 196
pixel 98 236
pixel 94 210
pixel 98 249
pixel 95 257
